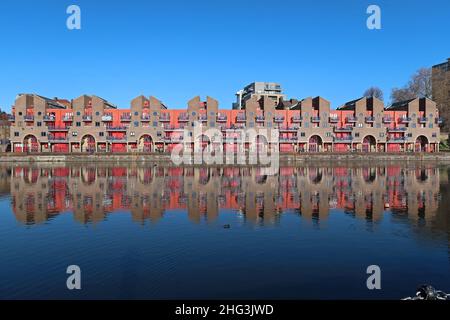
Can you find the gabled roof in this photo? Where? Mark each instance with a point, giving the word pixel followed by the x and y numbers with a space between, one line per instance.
pixel 400 105
pixel 350 105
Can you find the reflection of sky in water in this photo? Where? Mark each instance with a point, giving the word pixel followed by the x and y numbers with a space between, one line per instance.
pixel 159 233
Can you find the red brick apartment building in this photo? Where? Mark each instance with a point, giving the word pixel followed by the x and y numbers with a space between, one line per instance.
pixel 92 124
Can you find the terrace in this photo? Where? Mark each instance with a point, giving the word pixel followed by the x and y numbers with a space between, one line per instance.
pixel 297 118
pixel 315 119
pixel 351 119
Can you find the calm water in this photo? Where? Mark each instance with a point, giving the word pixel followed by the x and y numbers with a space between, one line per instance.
pixel 153 232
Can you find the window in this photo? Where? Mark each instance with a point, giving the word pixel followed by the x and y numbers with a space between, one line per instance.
pixel 155 123
pixel 212 124
pixel 43 134
pixel 132 134
pixel 381 134
pixel 431 126
pixel 16 134
pixel 306 124
pixel 78 113
pixel 97 124
pixel 357 135
pixel 360 125
pixel 39 124
pixel 97 113
pixel 20 113
pixel 269 124
pixel 39 113
pixel 158 134
pixel 101 134
pixel 378 125
pixel 413 125
pixel 78 124
pixel 251 124
pixel 409 135
pixel 136 123
pixel 74 134
pixel 155 113
pixel 328 134
pixel 194 113
pixel 212 113
pixel 434 134
pixel 302 134
pixel 136 113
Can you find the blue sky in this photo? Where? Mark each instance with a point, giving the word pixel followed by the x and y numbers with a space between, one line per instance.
pixel 175 49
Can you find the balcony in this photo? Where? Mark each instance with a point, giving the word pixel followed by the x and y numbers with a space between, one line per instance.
pixel 203 117
pixel 164 117
pixel 423 119
pixel 351 119
pixel 343 129
pixel 343 139
pixel 240 118
pixel 387 119
pixel 68 118
pixel 370 119
pixel 49 118
pixel 145 117
pixel 183 117
pixel 107 117
pixel 11 117
pixel 397 129
pixel 87 117
pixel 56 128
pixel 221 118
pixel 315 119
pixel 119 128
pixel 259 118
pixel 297 118
pixel 278 118
pixel 334 119
pixel 28 118
pixel 439 120
pixel 404 119
pixel 173 139
pixel 125 117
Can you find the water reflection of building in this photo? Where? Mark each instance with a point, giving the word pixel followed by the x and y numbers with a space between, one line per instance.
pixel 91 192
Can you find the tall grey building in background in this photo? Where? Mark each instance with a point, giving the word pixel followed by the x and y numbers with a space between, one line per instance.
pixel 271 90
pixel 441 91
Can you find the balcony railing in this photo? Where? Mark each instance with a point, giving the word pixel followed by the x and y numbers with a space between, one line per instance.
pixel 343 129
pixel 343 139
pixel 396 139
pixel 145 117
pixel 240 118
pixel 164 117
pixel 68 118
pixel 297 118
pixel 259 118
pixel 28 118
pixel 288 128
pixel 118 128
pixel 439 120
pixel 351 119
pixel 279 118
pixel 183 117
pixel 173 139
pixel 288 139
pixel 203 117
pixel 107 117
pixel 173 128
pixel 11 118
pixel 423 119
pixel 125 117
pixel 87 117
pixel 334 119
pixel 116 139
pixel 53 138
pixel 221 117
pixel 397 129
pixel 370 119
pixel 49 118
pixel 387 119
pixel 58 128
pixel 404 119
pixel 315 119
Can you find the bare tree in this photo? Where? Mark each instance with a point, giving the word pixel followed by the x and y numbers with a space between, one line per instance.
pixel 374 92
pixel 418 86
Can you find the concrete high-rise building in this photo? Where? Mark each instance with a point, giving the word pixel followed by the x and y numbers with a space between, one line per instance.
pixel 270 90
pixel 441 91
